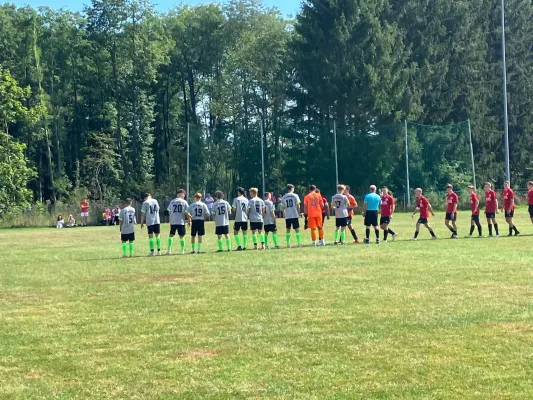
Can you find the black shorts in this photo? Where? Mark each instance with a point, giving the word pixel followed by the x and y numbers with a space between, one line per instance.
pixel 198 227
pixel 240 225
pixel 127 237
pixel 475 218
pixel 451 217
pixel 154 229
pixel 530 209
pixel 422 221
pixel 293 223
pixel 179 228
pixel 256 226
pixel 490 215
pixel 384 220
pixel 371 218
pixel 509 215
pixel 341 222
pixel 166 213
pixel 222 230
pixel 271 228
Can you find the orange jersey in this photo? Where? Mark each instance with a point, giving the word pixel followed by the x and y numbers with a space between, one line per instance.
pixel 351 202
pixel 314 204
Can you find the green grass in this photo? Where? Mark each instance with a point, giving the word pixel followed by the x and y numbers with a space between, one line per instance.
pixel 406 320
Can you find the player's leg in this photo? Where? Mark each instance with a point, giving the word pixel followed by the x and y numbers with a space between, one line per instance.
pixel 352 231
pixel 132 244
pixel 245 236
pixel 376 231
pixel 417 230
pixel 288 225
pixel 219 240
pixel 495 223
pixel 343 234
pixel 312 225
pixel 194 231
pixel 171 235
pixel 449 218
pixel 228 240
pixel 512 225
pixel 151 241
pixel 254 238
pixel 478 224
pixel 236 228
pixel 489 223
pixel 320 226
pixel 157 232
pixel 454 225
pixel 124 249
pixel 262 239
pixel 201 233
pixel 430 229
pixel 337 233
pixel 472 225
pixel 384 227
pixel 275 236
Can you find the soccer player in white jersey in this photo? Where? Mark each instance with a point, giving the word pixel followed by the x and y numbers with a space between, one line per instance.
pixel 340 203
pixel 178 217
pixel 197 211
pixel 270 221
pixel 150 215
pixel 256 209
pixel 221 209
pixel 290 203
pixel 127 222
pixel 240 207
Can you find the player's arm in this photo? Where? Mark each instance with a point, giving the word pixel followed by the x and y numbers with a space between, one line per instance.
pixel 326 208
pixel 414 210
pixel 298 208
pixel 393 208
pixel 430 209
pixel 497 205
pixel 363 211
pixel 512 204
pixel 456 205
pixel 477 205
pixel 120 222
pixel 143 217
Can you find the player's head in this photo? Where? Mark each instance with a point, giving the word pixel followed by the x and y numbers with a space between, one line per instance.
pixel 147 196
pixel 290 188
pixel 418 192
pixel 471 189
pixel 268 195
pixel 449 188
pixel 254 191
pixel 346 189
pixel 317 190
pixel 128 202
pixel 180 193
pixel 506 185
pixel 198 196
pixel 373 188
pixel 488 187
pixel 207 195
pixel 530 185
pixel 385 190
pixel 312 188
pixel 341 189
pixel 219 195
pixel 241 191
pixel 166 197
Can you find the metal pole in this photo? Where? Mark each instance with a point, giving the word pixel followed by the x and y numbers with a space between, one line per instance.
pixel 407 166
pixel 188 158
pixel 472 155
pixel 262 159
pixel 336 160
pixel 505 118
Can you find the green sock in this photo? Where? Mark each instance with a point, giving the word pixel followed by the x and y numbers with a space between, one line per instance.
pixel 245 238
pixel 219 244
pixel 275 239
pixel 262 238
pixel 266 239
pixel 151 241
pixel 199 247
pixel 228 243
pixel 124 249
pixel 343 237
pixel 158 242
pixel 182 243
pixel 131 249
pixel 336 236
pixel 192 246
pixel 288 237
pixel 299 238
pixel 254 239
pixel 238 240
pixel 170 241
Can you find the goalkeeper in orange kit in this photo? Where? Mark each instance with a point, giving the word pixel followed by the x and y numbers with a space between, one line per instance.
pixel 313 209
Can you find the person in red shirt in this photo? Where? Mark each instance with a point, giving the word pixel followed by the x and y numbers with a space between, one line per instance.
pixel 387 209
pixel 325 209
pixel 508 207
pixel 313 209
pixel 84 207
pixel 422 205
pixel 452 201
pixel 530 199
pixel 474 206
pixel 491 208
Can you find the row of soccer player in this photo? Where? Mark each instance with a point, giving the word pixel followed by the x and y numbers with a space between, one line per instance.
pixel 259 215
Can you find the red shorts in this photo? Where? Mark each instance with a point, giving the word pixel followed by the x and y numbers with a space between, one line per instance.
pixel 314 222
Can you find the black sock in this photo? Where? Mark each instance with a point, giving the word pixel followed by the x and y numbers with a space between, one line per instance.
pixel 385 234
pixel 515 230
pixel 479 229
pixel 490 229
pixel 451 229
pixel 377 233
pixel 352 230
pixel 472 227
pixel 390 231
pixel 367 233
pixel 416 234
pixel 496 229
pixel 510 231
pixel 432 233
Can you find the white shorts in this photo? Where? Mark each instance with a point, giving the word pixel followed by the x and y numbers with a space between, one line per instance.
pixel 84 214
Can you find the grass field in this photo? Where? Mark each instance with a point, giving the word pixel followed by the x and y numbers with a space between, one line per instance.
pixel 405 320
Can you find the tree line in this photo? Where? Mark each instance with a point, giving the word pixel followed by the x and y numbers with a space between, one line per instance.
pixel 102 100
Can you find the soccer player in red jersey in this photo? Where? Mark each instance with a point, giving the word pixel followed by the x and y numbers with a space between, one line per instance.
pixel 387 209
pixel 422 205
pixel 508 207
pixel 452 201
pixel 474 206
pixel 325 211
pixel 530 199
pixel 491 208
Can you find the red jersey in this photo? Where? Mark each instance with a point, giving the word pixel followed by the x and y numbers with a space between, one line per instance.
pixel 452 199
pixel 84 205
pixel 387 204
pixel 490 201
pixel 530 197
pixel 423 204
pixel 508 196
pixel 324 203
pixel 473 201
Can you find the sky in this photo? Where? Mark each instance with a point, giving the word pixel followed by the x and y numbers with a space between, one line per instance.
pixel 287 7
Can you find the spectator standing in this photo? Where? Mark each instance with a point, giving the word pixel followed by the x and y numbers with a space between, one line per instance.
pixel 166 213
pixel 84 207
pixel 115 213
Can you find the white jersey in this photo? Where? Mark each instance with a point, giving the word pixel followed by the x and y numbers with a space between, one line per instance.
pixel 198 210
pixel 289 202
pixel 127 216
pixel 256 207
pixel 240 204
pixel 341 203
pixel 177 208
pixel 221 209
pixel 150 209
pixel 269 213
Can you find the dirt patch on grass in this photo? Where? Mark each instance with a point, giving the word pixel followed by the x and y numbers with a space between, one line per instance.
pixel 196 354
pixel 176 278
